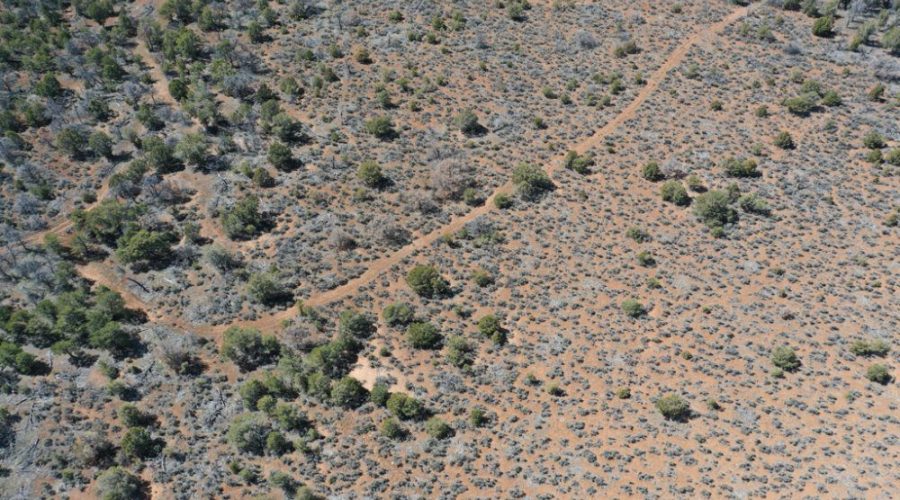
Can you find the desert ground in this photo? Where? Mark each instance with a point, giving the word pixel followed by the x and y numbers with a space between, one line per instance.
pixel 509 249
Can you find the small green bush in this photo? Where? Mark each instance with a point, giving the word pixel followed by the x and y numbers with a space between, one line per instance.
pixel 752 203
pixel 427 282
pixel 878 373
pixel 801 105
pixel 875 347
pixel 873 140
pixel 249 349
pixel 673 407
pixel 117 483
pixel 823 27
pixel 531 181
pixel 423 336
pixel 502 201
pixel 404 407
pixel 633 308
pixel 348 393
pixel 785 358
pixel 392 429
pixel 652 172
pixel 784 140
pixel 460 353
pixel 139 444
pixel 490 327
pixel 741 167
pixel 674 192
pixel 370 174
pixel 713 208
pixel 249 432
pixel 579 163
pixel 437 428
pixel 478 417
pixel 381 127
pixel 637 234
pixel 355 324
pixel 398 314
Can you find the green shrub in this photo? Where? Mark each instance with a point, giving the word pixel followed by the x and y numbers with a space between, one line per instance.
pixel 460 353
pixel 490 327
pixel 423 336
pixel 752 203
pixel 478 417
pixel 823 27
pixel 251 392
pixel 831 99
pixel 784 140
pixel 192 149
pixel 369 173
pixel 427 282
pixel 264 288
pixel 381 127
pixel 652 172
pixel 100 144
pixel 627 48
pixel 131 416
pixel 392 429
pixel 139 444
pixel 873 140
pixel 398 314
pixel 637 234
pixel 785 358
pixel 243 221
pixel 878 373
pixel 633 308
pixel 146 247
pixel 281 157
pixel 801 105
pixel 117 483
pixel 437 428
pixel 502 201
pixel 159 155
pixel 579 163
pixel 248 349
pixel 893 157
pixel 348 393
pixel 333 359
pixel 674 192
pixel 404 407
pixel 531 181
pixel 112 337
pixel 284 482
pixel 646 259
pixel 623 393
pixel 73 141
pixel 363 56
pixel 673 407
pixel 467 122
pixel 875 347
pixel 483 278
pixel 741 167
pixel 890 40
pixel 379 394
pixel 248 433
pixel 713 208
